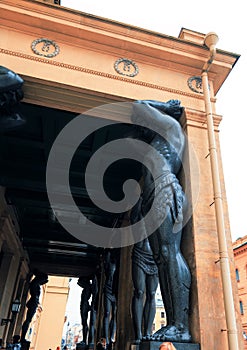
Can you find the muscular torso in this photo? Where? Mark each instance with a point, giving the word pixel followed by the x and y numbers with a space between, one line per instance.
pixel 165 160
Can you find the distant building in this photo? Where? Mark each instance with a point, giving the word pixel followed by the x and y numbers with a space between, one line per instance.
pixel 45 331
pixel 240 257
pixel 160 316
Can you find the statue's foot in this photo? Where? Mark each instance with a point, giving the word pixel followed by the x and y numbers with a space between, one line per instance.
pixel 173 333
pixel 137 341
pixel 111 345
pixel 157 335
pixel 147 337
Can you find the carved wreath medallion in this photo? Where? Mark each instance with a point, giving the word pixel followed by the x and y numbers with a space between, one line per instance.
pixel 127 67
pixel 195 84
pixel 45 47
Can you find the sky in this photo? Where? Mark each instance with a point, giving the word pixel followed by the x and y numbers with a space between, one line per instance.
pixel 228 20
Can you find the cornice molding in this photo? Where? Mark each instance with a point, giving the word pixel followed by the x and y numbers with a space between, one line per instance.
pixel 198 118
pixel 240 250
pixel 80 100
pixel 76 28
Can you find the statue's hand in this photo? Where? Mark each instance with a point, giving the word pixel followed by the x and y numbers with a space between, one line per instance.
pixel 171 107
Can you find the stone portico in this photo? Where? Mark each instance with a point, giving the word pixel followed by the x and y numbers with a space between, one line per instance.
pixel 72 62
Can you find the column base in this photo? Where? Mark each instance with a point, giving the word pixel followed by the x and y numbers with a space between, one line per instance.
pixel 154 345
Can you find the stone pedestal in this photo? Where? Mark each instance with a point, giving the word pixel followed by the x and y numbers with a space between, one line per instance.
pixel 81 346
pixel 154 345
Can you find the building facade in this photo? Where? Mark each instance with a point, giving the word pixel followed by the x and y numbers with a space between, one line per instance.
pixel 55 295
pixel 72 62
pixel 160 316
pixel 240 257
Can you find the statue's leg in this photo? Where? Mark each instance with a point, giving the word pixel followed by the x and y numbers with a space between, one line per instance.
pixel 84 330
pixel 106 320
pixel 179 280
pixel 113 323
pixel 150 307
pixel 24 330
pixel 174 278
pixel 138 277
pixel 180 286
pixel 160 260
pixel 29 316
pixel 91 330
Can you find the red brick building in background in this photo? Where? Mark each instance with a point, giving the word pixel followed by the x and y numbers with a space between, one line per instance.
pixel 240 257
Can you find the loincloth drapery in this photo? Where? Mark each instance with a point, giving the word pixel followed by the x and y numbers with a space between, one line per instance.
pixel 108 293
pixel 164 192
pixel 144 260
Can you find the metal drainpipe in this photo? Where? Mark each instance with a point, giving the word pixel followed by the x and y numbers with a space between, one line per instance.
pixel 210 41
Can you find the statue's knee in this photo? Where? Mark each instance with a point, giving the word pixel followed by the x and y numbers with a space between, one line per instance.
pixel 139 293
pixel 164 254
pixel 150 296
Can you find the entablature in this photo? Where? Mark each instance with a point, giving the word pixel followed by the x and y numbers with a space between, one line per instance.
pixel 76 32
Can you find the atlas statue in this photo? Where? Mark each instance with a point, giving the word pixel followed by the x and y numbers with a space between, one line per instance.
pixel 162 192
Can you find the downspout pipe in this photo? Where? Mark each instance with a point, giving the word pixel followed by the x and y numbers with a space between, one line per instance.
pixel 210 41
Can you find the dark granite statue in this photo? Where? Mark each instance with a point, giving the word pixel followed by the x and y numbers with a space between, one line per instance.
pixel 110 296
pixel 10 95
pixel 170 204
pixel 32 304
pixel 90 290
pixel 84 282
pixel 93 311
pixel 145 281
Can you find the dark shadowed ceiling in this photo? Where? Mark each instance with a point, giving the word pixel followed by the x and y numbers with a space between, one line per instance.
pixel 23 157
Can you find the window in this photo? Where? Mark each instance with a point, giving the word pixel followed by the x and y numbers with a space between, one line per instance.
pixel 241 307
pixel 237 275
pixel 162 314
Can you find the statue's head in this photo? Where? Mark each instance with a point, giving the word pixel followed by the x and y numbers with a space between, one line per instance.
pixel 84 282
pixel 9 80
pixel 41 278
pixel 10 95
